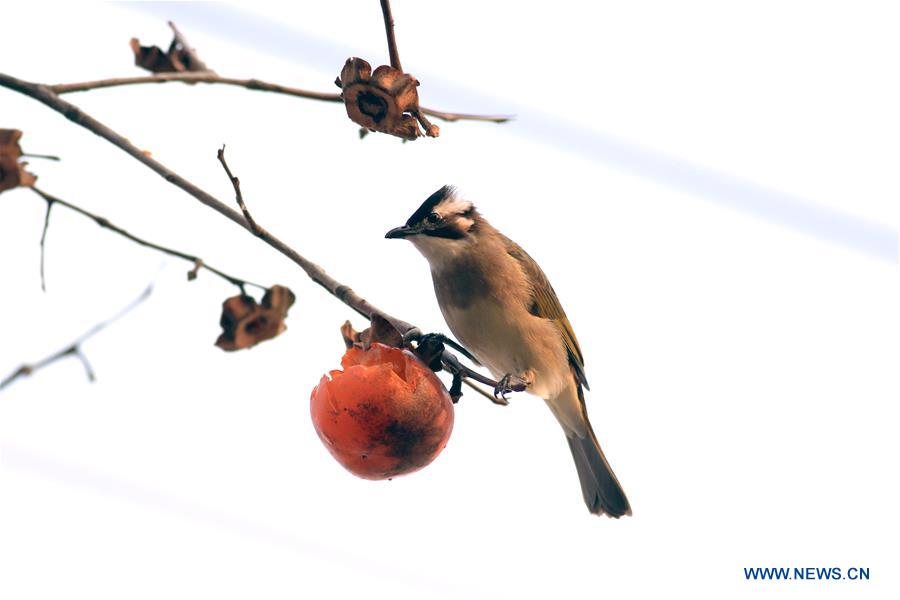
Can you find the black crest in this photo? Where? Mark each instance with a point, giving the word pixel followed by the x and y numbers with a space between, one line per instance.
pixel 429 204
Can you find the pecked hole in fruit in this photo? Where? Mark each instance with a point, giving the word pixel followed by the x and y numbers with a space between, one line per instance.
pixel 380 356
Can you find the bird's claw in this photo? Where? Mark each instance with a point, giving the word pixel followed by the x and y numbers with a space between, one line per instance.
pixel 508 383
pixel 415 335
pixel 412 335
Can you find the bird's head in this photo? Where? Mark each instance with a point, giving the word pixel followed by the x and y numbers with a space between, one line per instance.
pixel 443 227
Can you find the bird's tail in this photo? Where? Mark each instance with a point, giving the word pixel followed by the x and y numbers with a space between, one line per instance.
pixel 602 491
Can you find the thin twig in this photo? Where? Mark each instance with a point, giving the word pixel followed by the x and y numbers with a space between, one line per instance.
pixel 196 63
pixel 43 240
pixel 74 349
pixel 104 222
pixel 236 183
pixel 88 369
pixel 250 84
pixel 193 77
pixel 389 32
pixel 451 117
pixel 344 293
pixel 44 156
pixel 494 399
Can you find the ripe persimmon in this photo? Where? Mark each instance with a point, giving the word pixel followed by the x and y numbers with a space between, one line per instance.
pixel 385 414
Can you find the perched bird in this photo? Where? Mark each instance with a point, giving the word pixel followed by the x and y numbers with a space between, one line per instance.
pixel 499 304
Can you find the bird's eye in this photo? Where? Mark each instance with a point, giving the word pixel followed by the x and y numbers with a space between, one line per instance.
pixel 433 218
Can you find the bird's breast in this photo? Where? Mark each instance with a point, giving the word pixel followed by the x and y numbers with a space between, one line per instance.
pixel 506 338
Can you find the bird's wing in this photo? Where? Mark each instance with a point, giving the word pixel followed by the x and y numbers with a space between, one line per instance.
pixel 545 304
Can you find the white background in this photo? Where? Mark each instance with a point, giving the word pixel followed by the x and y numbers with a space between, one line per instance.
pixel 743 360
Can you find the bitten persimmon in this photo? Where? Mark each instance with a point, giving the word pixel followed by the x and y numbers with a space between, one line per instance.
pixel 385 414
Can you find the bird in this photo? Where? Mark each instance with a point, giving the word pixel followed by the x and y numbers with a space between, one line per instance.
pixel 499 305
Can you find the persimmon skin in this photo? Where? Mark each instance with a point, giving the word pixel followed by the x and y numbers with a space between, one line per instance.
pixel 386 414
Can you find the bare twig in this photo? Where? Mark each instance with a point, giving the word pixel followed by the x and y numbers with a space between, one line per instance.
pixel 192 77
pixel 451 117
pixel 389 32
pixel 196 63
pixel 236 183
pixel 344 293
pixel 103 222
pixel 88 369
pixel 43 240
pixel 495 399
pixel 74 349
pixel 44 156
pixel 43 94
pixel 250 84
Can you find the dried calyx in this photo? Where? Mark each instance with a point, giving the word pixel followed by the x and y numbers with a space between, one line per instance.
pixel 12 170
pixel 246 323
pixel 385 100
pixel 429 349
pixel 179 58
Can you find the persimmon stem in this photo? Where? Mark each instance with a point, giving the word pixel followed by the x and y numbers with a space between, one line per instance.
pixel 389 33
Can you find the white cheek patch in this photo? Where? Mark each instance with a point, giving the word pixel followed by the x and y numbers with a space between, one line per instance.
pixel 452 205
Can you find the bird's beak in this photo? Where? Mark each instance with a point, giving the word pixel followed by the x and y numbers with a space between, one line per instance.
pixel 401 232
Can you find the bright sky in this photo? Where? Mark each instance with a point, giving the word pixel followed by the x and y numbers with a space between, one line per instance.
pixel 712 190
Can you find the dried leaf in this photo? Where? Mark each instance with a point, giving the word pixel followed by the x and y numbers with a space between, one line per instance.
pixel 175 60
pixel 385 100
pixel 246 323
pixel 383 331
pixel 12 170
pixel 380 330
pixel 350 335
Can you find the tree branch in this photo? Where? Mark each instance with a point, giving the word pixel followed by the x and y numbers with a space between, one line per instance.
pixel 250 84
pixel 238 196
pixel 74 349
pixel 43 156
pixel 103 222
pixel 344 293
pixel 194 77
pixel 43 240
pixel 389 32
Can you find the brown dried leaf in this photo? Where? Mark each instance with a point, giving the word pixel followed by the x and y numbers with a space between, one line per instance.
pixel 380 330
pixel 350 335
pixel 12 171
pixel 384 100
pixel 246 323
pixel 175 60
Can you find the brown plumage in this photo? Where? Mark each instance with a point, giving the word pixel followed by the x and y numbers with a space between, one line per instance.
pixel 500 305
